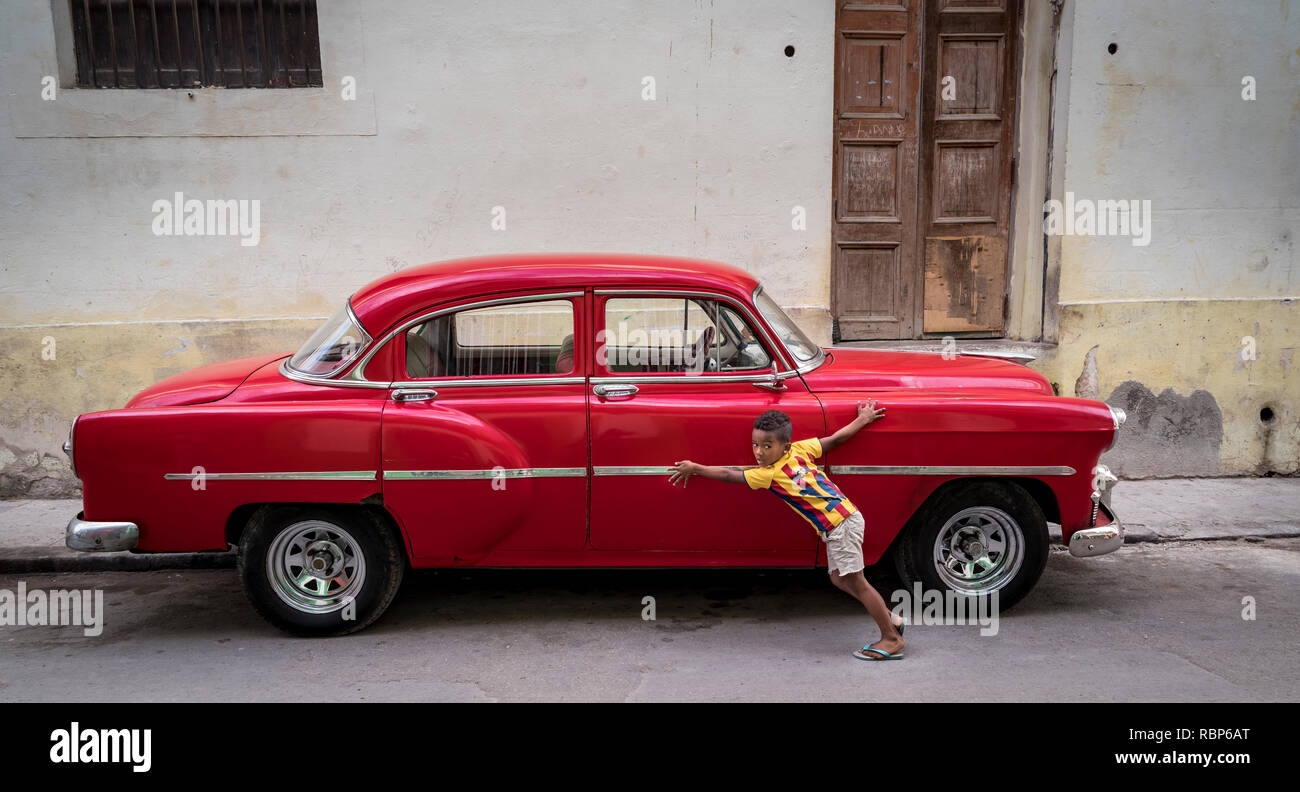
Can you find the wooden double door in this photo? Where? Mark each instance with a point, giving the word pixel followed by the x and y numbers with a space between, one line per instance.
pixel 925 98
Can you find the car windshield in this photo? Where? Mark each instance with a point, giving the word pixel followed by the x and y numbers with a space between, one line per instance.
pixel 786 330
pixel 331 347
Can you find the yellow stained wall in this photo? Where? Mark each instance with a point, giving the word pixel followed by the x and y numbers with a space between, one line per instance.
pixel 1189 346
pixel 51 374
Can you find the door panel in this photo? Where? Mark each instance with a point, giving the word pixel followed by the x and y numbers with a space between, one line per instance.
pixel 925 96
pixel 490 461
pixel 968 130
pixel 877 79
pixel 647 413
pixel 636 439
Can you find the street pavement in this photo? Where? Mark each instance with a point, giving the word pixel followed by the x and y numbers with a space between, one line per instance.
pixel 1200 605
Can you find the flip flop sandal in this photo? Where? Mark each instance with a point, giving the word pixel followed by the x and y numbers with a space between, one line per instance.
pixel 861 654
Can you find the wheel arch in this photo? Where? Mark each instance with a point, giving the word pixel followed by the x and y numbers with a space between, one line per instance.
pixel 239 519
pixel 1040 491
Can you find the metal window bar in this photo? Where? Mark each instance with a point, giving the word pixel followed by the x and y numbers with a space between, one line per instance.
pixel 196 43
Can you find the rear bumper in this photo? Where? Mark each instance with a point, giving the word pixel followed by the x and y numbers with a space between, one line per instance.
pixel 1098 541
pixel 101 536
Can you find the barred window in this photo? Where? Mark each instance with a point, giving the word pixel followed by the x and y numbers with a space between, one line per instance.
pixel 196 43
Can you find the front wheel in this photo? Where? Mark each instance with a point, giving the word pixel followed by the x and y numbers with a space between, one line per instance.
pixel 315 571
pixel 974 539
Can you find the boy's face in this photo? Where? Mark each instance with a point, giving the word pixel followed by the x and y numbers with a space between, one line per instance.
pixel 768 447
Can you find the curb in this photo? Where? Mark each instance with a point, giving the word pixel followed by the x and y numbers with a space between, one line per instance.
pixel 25 560
pixel 34 560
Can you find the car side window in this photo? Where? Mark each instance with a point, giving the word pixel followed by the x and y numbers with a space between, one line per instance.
pixel 677 334
pixel 498 340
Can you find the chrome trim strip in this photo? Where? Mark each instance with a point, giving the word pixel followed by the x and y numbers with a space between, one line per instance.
pixel 633 470
pixel 784 353
pixel 95 536
pixel 469 383
pixel 356 373
pixel 953 470
pixel 697 377
pixel 450 475
pixel 873 470
pixel 810 365
pixel 319 475
pixel 337 383
pixel 369 338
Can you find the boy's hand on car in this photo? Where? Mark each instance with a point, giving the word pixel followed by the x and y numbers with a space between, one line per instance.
pixel 681 472
pixel 870 412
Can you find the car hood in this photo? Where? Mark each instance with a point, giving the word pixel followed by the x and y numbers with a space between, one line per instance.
pixel 847 368
pixel 204 384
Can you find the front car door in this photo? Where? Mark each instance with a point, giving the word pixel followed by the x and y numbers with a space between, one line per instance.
pixel 681 375
pixel 484 437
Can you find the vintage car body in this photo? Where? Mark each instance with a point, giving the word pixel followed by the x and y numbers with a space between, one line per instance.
pixel 331 484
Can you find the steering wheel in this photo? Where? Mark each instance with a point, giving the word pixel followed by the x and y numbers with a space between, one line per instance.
pixel 733 357
pixel 699 359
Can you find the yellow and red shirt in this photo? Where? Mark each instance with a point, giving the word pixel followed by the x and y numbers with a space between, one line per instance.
pixel 796 480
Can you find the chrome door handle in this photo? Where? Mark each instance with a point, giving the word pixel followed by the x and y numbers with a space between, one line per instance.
pixel 414 394
pixel 607 391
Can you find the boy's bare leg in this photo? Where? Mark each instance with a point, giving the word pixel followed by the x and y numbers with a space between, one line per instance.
pixel 856 584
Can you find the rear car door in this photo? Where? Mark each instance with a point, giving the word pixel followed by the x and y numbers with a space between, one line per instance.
pixel 484 436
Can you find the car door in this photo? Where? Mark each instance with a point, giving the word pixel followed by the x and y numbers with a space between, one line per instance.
pixel 484 436
pixel 682 375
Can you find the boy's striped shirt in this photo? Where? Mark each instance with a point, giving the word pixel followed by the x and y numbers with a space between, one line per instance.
pixel 796 480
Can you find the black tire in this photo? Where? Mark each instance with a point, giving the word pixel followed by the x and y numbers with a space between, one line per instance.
pixel 999 511
pixel 361 561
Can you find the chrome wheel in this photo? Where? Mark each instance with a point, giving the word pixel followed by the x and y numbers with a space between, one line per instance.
pixel 315 566
pixel 978 550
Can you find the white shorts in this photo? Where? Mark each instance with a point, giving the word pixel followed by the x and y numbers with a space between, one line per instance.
pixel 844 545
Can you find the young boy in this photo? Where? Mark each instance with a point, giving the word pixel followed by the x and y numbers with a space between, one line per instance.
pixel 787 470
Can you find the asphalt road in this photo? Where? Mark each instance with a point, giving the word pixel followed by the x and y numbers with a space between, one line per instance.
pixel 1153 622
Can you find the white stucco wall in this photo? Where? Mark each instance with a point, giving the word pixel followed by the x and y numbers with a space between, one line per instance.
pixel 1195 333
pixel 1163 119
pixel 535 107
pixel 460 108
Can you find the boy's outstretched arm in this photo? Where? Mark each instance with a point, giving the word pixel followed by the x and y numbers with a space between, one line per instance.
pixel 685 469
pixel 866 414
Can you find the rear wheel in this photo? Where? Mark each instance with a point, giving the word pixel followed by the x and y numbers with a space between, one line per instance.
pixel 317 571
pixel 976 538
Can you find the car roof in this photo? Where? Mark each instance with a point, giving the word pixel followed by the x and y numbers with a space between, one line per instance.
pixel 384 301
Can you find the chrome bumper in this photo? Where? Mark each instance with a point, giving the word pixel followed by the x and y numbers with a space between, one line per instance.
pixel 1098 541
pixel 96 536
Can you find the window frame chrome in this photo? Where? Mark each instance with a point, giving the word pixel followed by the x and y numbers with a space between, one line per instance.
pixel 782 354
pixel 806 367
pixel 355 377
pixel 365 350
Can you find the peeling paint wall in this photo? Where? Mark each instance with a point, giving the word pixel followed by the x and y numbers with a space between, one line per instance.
pixel 1194 333
pixel 533 107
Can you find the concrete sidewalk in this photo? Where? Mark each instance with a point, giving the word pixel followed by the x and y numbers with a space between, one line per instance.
pixel 1166 510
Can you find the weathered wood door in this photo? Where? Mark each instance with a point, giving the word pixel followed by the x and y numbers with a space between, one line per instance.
pixel 922 179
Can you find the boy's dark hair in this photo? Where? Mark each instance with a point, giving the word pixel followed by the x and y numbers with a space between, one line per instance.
pixel 776 422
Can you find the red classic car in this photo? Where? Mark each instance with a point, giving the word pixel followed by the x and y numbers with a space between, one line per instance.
pixel 524 411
